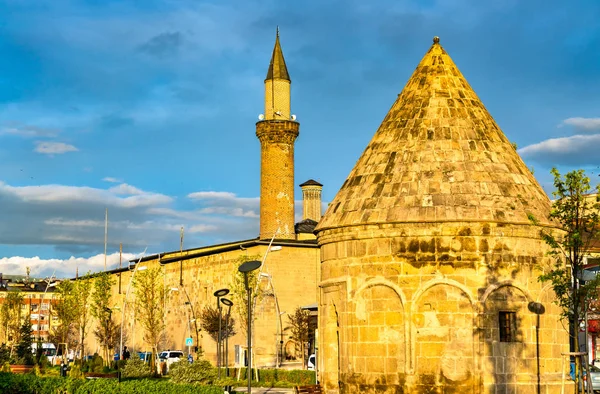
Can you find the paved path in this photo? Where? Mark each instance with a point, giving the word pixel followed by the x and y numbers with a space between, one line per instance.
pixel 263 390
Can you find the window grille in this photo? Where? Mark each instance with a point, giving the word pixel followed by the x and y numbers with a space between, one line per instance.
pixel 507 323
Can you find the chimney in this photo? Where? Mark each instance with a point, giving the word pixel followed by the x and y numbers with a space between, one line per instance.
pixel 311 200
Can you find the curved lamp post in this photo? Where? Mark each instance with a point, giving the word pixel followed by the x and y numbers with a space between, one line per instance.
pixel 219 293
pixel 246 268
pixel 136 269
pixel 229 304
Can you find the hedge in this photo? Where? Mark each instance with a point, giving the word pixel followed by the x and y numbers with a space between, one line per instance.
pixel 31 384
pixel 269 376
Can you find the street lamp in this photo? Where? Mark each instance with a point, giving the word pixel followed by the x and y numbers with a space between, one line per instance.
pixel 246 268
pixel 229 304
pixel 219 293
pixel 40 315
pixel 280 339
pixel 188 302
pixel 136 269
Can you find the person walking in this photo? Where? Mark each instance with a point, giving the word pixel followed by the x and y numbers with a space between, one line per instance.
pixel 126 353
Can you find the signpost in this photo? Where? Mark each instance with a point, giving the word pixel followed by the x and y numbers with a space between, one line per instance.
pixel 189 342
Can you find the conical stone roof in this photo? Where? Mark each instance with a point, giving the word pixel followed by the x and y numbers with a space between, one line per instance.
pixel 437 156
pixel 277 67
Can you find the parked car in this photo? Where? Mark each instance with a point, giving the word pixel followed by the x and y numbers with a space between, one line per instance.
pixel 168 357
pixel 312 361
pixel 595 378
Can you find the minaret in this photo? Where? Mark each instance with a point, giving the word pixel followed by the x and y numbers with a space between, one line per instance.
pixel 277 131
pixel 311 200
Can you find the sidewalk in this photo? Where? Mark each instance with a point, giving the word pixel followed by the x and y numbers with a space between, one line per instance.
pixel 263 390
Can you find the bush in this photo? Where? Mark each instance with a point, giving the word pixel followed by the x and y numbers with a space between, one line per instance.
pixel 199 372
pixel 31 384
pixel 4 354
pixel 136 368
pixel 96 364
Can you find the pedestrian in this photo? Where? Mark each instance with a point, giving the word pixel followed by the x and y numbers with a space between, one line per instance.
pixel 126 353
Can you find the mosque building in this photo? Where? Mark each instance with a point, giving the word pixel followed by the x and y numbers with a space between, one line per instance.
pixel 424 266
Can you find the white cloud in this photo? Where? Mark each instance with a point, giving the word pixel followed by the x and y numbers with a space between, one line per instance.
pixel 111 179
pixel 210 194
pixel 53 148
pixel 23 130
pixel 124 188
pixel 584 124
pixel 82 194
pixel 70 219
pixel 202 228
pixel 62 268
pixel 575 150
pixel 226 203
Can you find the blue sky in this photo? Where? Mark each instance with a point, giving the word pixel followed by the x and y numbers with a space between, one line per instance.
pixel 148 108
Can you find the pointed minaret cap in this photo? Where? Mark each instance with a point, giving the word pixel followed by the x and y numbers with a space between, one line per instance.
pixel 277 67
pixel 438 156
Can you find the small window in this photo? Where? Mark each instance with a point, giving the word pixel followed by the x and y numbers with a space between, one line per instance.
pixel 507 322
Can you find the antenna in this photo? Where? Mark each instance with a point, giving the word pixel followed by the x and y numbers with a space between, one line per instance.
pixel 105 235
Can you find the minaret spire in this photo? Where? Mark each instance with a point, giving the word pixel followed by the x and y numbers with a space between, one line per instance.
pixel 277 67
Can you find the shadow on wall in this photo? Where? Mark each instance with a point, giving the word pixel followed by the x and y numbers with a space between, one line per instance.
pixel 507 346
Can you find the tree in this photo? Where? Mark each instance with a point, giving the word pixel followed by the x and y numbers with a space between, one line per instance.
pixel 82 289
pixel 24 349
pixel 10 316
pixel 149 303
pixel 65 311
pixel 576 213
pixel 239 295
pixel 299 323
pixel 106 331
pixel 209 318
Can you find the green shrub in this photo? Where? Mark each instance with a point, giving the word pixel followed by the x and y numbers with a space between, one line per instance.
pixel 136 368
pixel 200 371
pixel 31 384
pixel 75 371
pixel 4 354
pixel 97 363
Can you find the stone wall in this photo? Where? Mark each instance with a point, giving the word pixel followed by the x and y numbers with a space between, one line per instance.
pixel 293 273
pixel 414 308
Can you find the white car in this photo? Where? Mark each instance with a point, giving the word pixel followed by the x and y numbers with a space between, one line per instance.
pixel 312 361
pixel 169 357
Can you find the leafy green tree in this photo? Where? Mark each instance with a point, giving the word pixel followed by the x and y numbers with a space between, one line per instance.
pixel 83 291
pixel 238 292
pixel 576 213
pixel 24 354
pixel 106 329
pixel 299 323
pixel 10 316
pixel 65 310
pixel 149 303
pixel 209 321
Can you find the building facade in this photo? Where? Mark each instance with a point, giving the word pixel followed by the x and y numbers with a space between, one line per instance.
pixel 429 261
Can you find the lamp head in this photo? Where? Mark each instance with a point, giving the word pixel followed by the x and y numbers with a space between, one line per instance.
pixel 249 266
pixel 221 292
pixel 227 302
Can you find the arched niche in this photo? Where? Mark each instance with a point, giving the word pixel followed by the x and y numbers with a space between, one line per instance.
pixel 380 332
pixel 443 338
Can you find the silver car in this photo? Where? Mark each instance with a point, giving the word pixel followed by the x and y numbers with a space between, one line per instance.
pixel 595 378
